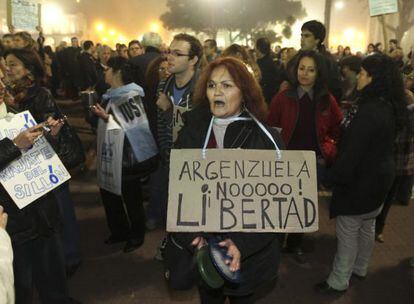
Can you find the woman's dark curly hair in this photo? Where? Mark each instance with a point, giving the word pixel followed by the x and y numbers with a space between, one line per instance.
pixel 250 89
pixel 119 63
pixel 386 85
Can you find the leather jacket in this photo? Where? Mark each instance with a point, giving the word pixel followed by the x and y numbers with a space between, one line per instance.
pixel 41 218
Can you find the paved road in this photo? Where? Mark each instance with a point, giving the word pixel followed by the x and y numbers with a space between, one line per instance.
pixel 108 275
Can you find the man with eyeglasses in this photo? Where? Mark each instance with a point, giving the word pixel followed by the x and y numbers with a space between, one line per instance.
pixel 175 94
pixel 183 57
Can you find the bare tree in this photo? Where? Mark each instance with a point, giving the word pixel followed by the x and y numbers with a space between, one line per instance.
pixel 405 19
pixel 242 18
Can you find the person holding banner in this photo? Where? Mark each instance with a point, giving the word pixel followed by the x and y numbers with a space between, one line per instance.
pixel 126 152
pixel 38 256
pixel 365 168
pixel 26 75
pixel 230 106
pixel 310 120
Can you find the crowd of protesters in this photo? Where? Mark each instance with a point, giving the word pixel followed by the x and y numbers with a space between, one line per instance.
pixel 355 111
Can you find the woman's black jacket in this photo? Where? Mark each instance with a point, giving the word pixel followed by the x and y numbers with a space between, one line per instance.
pixel 365 167
pixel 260 252
pixel 41 218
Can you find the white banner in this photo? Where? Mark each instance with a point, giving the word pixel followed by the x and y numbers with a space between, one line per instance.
pixel 130 113
pixel 242 190
pixel 25 15
pixel 109 156
pixel 382 7
pixel 37 172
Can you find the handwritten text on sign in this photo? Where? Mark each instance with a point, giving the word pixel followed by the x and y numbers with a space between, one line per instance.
pixel 35 173
pixel 242 190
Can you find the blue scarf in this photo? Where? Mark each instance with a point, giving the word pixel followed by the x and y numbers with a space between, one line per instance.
pixel 114 94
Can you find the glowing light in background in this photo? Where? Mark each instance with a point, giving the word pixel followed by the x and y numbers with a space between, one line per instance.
pixel 56 21
pixel 339 5
pixel 99 27
pixel 106 33
pixel 349 34
pixel 155 27
pixel 356 40
pixel 122 39
pixel 52 14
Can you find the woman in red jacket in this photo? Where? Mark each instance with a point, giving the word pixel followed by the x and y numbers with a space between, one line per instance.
pixel 309 119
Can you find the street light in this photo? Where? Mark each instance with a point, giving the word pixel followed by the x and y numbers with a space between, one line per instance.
pixel 339 5
pixel 52 14
pixel 155 27
pixel 99 27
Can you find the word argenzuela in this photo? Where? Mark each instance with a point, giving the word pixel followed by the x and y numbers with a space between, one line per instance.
pixel 256 201
pixel 226 169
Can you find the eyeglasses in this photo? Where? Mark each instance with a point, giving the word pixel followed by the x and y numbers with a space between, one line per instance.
pixel 135 48
pixel 175 53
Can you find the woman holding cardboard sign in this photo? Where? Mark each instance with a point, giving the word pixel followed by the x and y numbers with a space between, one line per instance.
pixel 26 80
pixel 230 106
pixel 38 256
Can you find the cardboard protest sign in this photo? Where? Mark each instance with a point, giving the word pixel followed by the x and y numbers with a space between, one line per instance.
pixel 35 173
pixel 242 190
pixel 178 122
